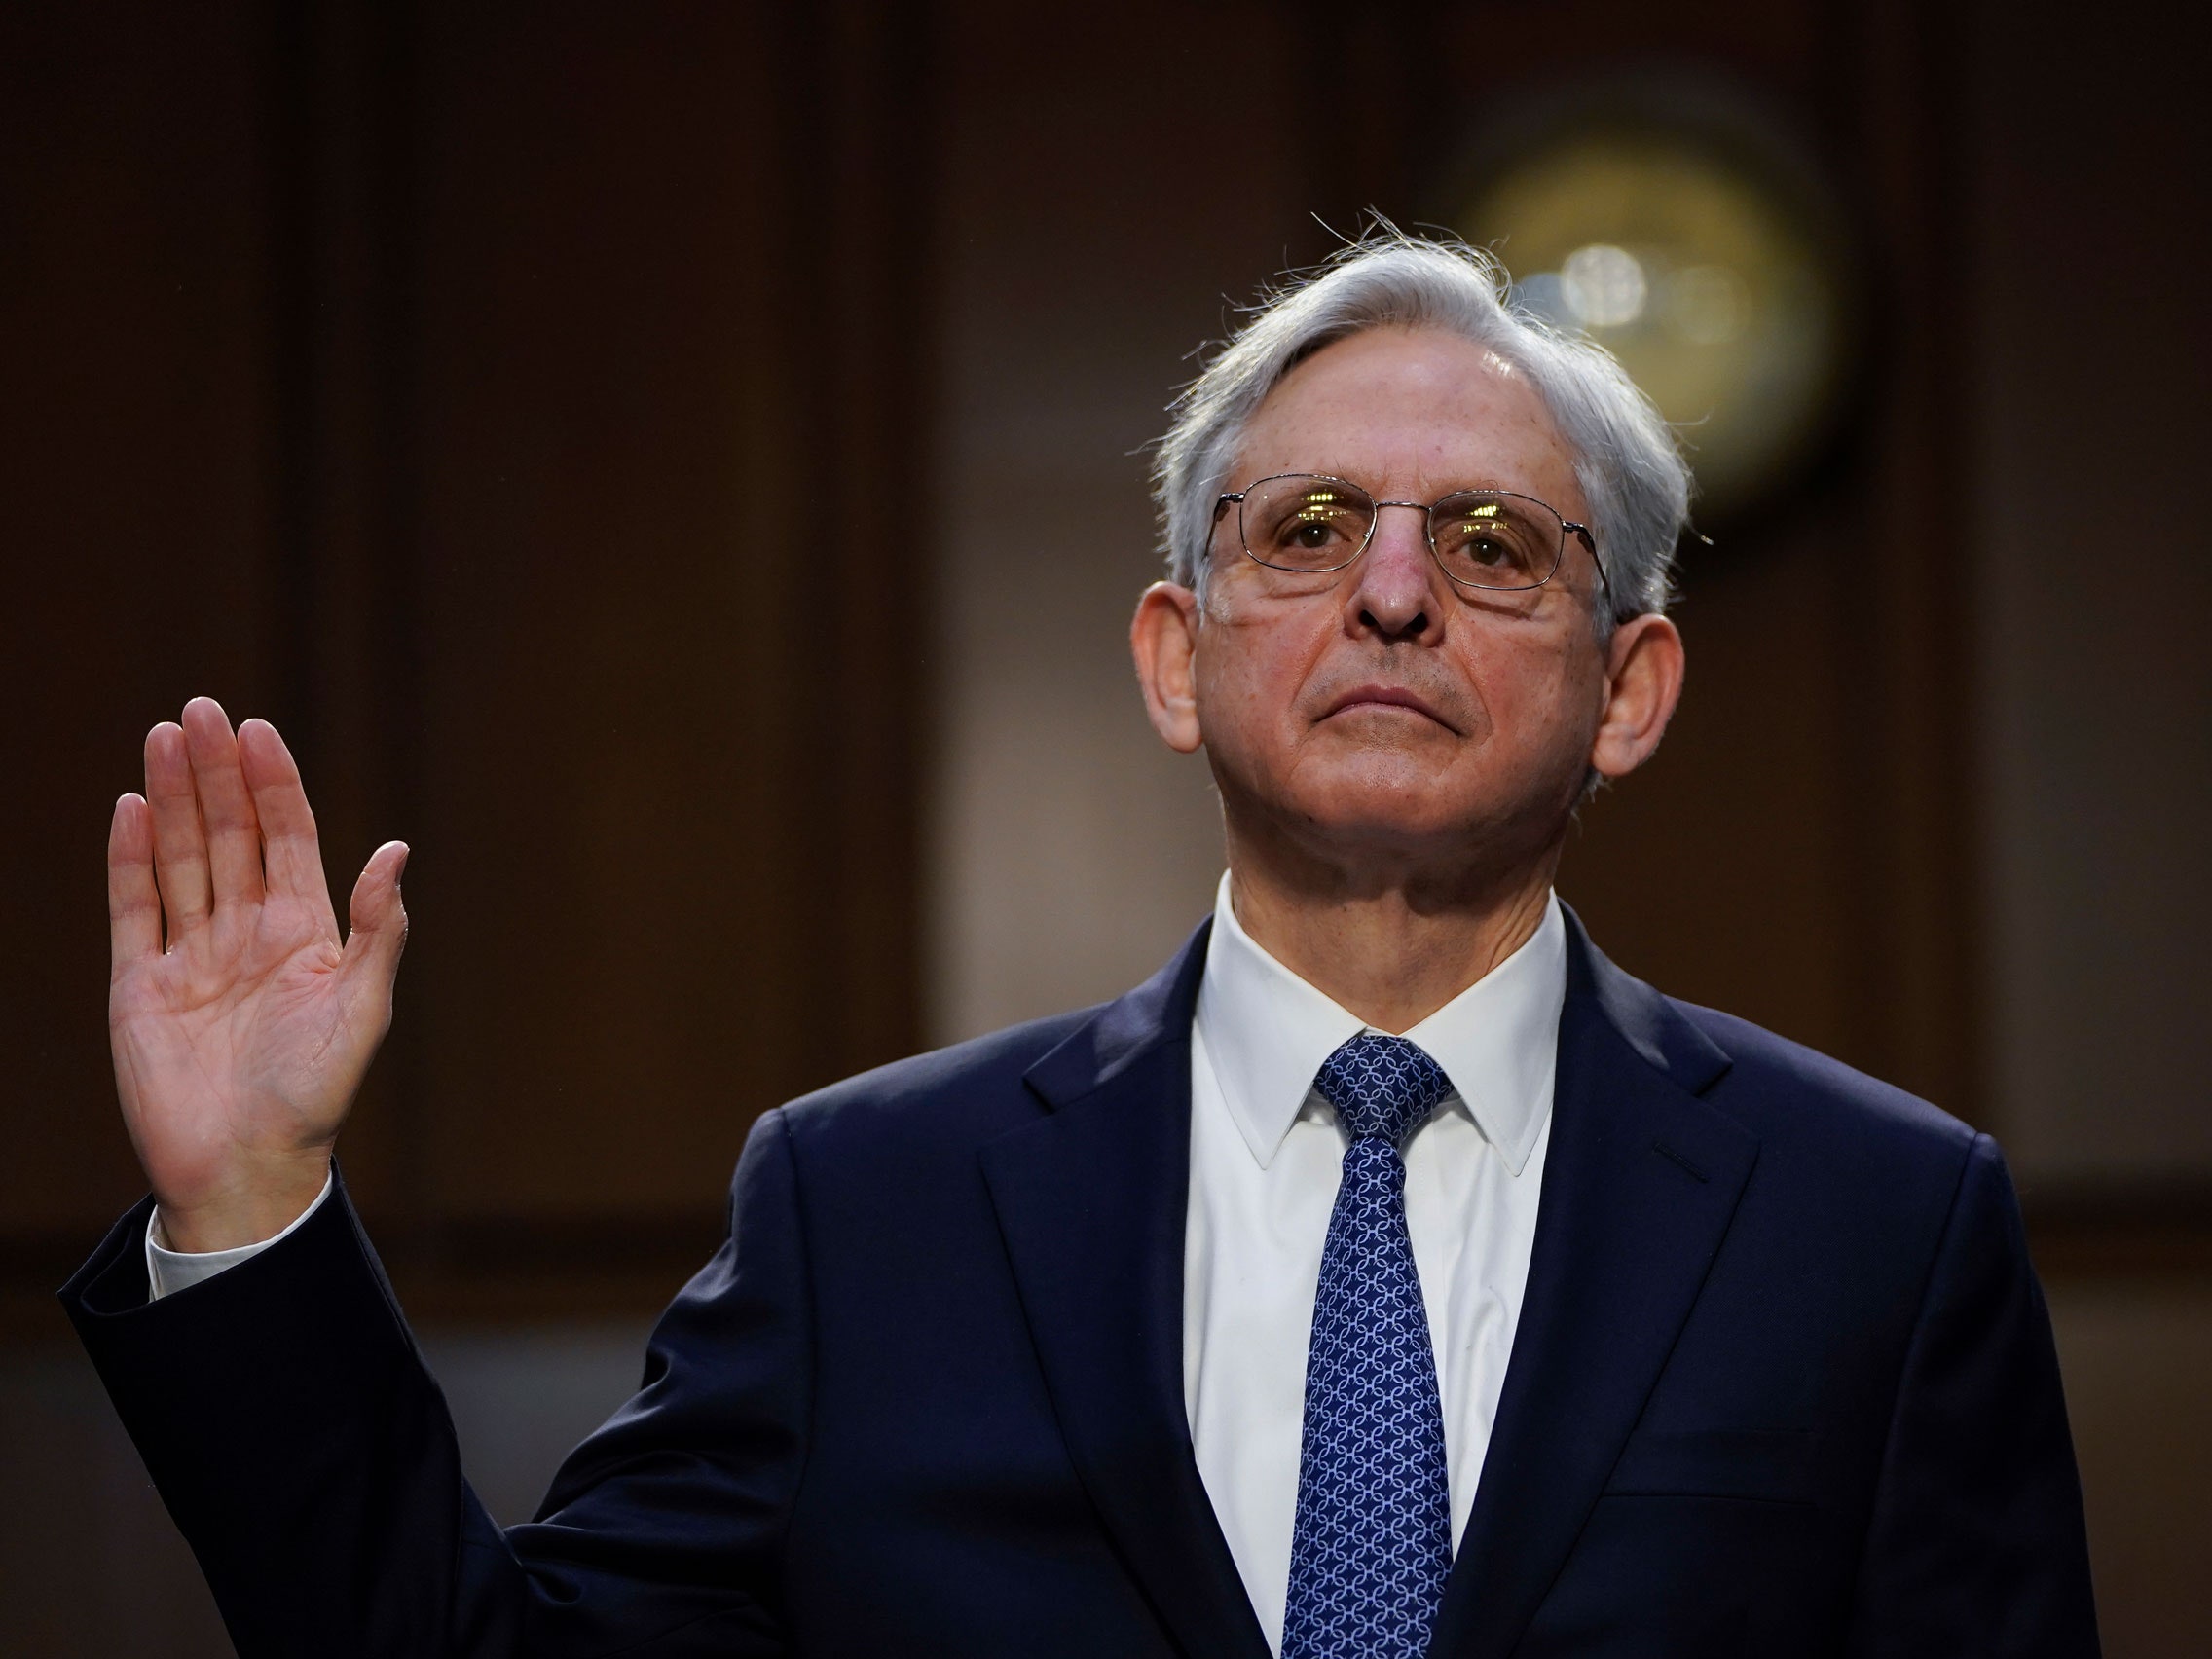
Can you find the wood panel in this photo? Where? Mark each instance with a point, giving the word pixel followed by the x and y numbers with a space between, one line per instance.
pixel 134 526
pixel 524 407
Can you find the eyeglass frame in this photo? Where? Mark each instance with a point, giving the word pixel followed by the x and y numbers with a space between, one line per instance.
pixel 1428 513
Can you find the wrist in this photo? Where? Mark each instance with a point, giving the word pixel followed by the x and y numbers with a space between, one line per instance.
pixel 256 1208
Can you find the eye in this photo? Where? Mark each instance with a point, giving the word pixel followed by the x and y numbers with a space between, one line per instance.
pixel 1315 525
pixel 1490 542
pixel 1487 549
pixel 1306 522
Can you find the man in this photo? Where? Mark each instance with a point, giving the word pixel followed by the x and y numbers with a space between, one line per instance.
pixel 1390 1275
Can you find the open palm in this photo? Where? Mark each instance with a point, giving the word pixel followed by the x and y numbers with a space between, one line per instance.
pixel 239 1046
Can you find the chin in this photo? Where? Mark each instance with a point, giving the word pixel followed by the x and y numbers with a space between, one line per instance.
pixel 1392 817
pixel 1404 807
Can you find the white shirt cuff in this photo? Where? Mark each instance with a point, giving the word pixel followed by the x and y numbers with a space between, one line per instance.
pixel 168 1272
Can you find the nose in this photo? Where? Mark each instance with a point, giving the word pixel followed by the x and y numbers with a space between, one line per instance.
pixel 1394 596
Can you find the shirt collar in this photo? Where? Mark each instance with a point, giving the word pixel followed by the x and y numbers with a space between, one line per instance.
pixel 1267 1032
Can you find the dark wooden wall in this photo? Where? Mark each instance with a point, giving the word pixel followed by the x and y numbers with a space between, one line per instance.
pixel 492 405
pixel 530 419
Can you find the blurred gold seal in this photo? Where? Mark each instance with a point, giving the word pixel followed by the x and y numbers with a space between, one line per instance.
pixel 1689 234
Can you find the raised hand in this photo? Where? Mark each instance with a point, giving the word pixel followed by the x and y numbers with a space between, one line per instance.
pixel 238 1046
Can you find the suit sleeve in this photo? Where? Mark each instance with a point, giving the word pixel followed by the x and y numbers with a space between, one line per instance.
pixel 1977 1544
pixel 286 1418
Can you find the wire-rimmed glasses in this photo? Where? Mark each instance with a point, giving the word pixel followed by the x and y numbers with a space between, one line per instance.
pixel 1490 539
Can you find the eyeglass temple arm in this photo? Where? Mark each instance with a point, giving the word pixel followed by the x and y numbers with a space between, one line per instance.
pixel 1588 540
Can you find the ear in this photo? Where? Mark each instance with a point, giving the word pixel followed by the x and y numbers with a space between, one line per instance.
pixel 1643 682
pixel 1164 638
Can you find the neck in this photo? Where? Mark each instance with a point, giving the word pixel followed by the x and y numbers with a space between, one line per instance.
pixel 1390 946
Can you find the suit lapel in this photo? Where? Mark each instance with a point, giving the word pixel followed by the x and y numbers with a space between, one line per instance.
pixel 1640 1182
pixel 1090 1200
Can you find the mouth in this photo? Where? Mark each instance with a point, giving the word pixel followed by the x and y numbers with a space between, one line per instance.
pixel 1365 697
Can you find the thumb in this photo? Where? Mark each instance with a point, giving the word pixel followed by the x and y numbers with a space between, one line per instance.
pixel 376 921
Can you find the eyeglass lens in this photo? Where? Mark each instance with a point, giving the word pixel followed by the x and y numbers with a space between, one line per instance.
pixel 1482 538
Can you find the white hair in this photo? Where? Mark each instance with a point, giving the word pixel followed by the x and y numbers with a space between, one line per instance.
pixel 1633 475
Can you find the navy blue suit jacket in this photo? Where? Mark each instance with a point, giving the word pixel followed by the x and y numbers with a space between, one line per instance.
pixel 1783 1384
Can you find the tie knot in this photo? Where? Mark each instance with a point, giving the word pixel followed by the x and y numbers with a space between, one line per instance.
pixel 1382 1086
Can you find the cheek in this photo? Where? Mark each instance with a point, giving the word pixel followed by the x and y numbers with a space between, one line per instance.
pixel 1541 700
pixel 1251 663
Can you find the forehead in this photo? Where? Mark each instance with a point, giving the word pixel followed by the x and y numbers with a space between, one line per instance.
pixel 1412 414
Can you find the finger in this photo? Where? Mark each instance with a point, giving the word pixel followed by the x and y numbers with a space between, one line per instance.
pixel 134 901
pixel 180 847
pixel 291 851
pixel 378 926
pixel 226 809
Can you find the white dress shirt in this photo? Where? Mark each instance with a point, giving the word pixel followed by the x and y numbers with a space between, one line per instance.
pixel 168 1272
pixel 1265 1157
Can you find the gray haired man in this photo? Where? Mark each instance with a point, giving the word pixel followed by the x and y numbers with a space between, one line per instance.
pixel 1390 1275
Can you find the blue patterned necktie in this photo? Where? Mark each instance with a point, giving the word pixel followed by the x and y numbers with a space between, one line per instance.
pixel 1373 1539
